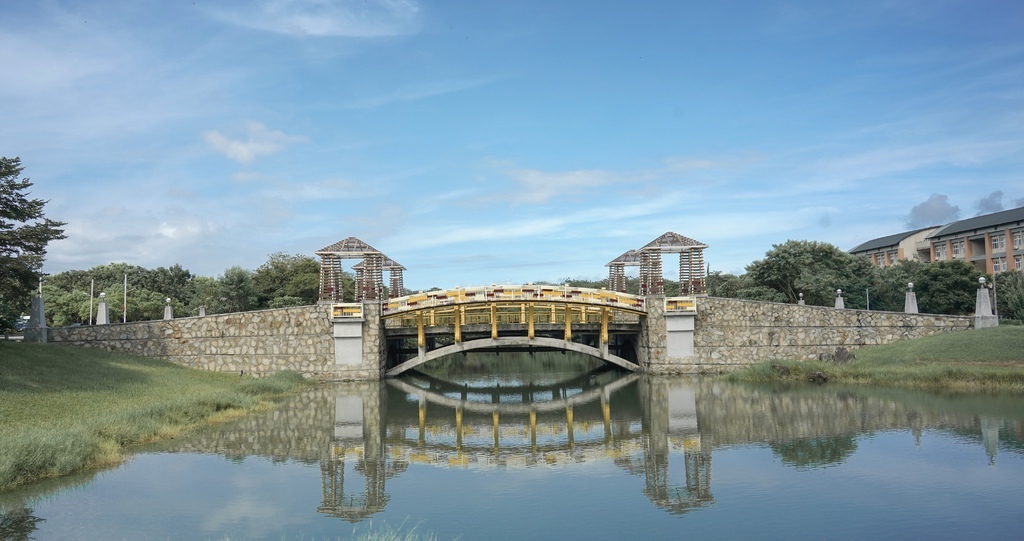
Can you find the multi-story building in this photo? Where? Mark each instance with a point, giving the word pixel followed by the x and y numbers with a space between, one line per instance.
pixel 889 250
pixel 993 243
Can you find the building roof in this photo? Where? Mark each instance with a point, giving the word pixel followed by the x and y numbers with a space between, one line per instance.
pixel 630 258
pixel 886 241
pixel 981 222
pixel 672 243
pixel 350 247
pixel 386 264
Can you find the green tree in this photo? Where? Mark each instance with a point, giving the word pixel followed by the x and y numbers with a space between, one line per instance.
pixel 889 285
pixel 285 275
pixel 174 282
pixel 761 293
pixel 946 287
pixel 24 234
pixel 726 285
pixel 1010 294
pixel 816 269
pixel 65 308
pixel 236 290
pixel 205 291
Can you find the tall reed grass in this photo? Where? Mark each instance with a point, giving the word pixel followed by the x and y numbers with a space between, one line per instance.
pixel 64 410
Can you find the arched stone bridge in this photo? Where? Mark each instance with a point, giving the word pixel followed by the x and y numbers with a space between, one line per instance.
pixel 418 328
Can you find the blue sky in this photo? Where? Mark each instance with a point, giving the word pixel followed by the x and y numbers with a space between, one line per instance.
pixel 480 142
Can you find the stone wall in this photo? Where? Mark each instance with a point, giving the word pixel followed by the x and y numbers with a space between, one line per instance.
pixel 732 332
pixel 257 343
pixel 728 333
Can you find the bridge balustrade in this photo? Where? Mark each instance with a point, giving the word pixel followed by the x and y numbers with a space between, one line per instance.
pixel 515 293
pixel 680 304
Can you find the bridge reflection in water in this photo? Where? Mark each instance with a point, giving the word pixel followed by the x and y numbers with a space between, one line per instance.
pixel 363 434
pixel 602 416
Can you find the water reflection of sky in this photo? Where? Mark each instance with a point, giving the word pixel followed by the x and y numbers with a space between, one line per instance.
pixel 881 492
pixel 950 480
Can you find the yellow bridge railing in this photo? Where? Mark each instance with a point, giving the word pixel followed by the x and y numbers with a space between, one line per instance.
pixel 515 293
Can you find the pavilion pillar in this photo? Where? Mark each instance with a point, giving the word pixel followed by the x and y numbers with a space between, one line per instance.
pixel 373 278
pixel 685 275
pixel 645 273
pixel 396 287
pixel 359 282
pixel 698 272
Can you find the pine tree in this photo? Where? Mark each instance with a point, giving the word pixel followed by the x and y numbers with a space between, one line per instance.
pixel 24 234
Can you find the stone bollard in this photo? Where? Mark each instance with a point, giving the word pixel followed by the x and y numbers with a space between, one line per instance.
pixel 801 301
pixel 839 299
pixel 168 311
pixel 983 317
pixel 910 304
pixel 35 331
pixel 202 310
pixel 102 317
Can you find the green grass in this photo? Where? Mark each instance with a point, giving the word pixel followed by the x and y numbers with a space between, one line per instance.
pixel 64 410
pixel 982 359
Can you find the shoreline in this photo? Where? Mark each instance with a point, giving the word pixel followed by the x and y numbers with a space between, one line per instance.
pixel 70 410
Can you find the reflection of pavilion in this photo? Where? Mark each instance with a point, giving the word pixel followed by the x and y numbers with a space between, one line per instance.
pixel 631 422
pixel 357 449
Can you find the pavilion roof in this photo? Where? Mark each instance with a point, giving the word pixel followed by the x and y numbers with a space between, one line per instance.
pixel 673 243
pixel 350 247
pixel 630 258
pixel 387 264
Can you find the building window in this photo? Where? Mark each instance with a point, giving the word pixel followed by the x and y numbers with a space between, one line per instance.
pixel 958 249
pixel 999 264
pixel 940 252
pixel 1019 262
pixel 1018 240
pixel 894 257
pixel 999 242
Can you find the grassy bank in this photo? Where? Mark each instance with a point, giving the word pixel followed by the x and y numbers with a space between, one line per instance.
pixel 982 359
pixel 66 409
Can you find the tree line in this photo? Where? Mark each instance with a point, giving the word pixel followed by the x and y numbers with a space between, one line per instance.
pixel 283 280
pixel 817 269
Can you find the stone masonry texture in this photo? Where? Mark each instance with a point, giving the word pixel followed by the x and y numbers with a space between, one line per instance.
pixel 256 343
pixel 728 333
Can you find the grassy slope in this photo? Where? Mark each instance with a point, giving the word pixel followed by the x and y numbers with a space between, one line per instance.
pixel 982 359
pixel 65 409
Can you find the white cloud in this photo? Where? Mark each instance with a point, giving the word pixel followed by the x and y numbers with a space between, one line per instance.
pixel 534 186
pixel 261 142
pixel 338 18
pixel 426 90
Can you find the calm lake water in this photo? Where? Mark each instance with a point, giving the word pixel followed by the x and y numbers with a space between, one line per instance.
pixel 543 447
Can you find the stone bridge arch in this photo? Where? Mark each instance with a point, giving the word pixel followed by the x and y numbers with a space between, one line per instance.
pixel 516 342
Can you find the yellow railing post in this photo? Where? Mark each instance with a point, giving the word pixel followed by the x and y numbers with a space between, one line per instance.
pixel 421 339
pixel 494 321
pixel 604 325
pixel 458 323
pixel 529 321
pixel 568 322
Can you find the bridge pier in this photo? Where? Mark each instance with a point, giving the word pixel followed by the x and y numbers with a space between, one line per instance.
pixel 359 345
pixel 651 349
pixel 666 338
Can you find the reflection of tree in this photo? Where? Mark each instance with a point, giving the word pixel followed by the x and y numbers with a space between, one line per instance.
pixel 18 524
pixel 815 452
